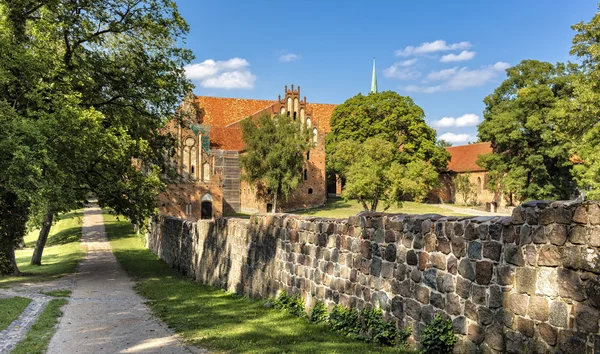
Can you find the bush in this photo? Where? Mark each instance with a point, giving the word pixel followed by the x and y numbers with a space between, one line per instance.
pixel 292 304
pixel 438 337
pixel 376 329
pixel 345 320
pixel 319 313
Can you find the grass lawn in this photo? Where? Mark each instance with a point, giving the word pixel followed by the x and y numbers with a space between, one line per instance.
pixel 217 320
pixel 61 254
pixel 339 208
pixel 11 308
pixel 43 329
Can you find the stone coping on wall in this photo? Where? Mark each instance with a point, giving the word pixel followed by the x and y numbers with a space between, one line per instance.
pixel 526 283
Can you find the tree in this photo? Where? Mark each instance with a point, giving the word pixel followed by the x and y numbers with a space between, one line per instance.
pixel 275 153
pixel 531 158
pixel 373 175
pixel 409 159
pixel 464 187
pixel 443 143
pixel 86 87
pixel 579 115
pixel 389 116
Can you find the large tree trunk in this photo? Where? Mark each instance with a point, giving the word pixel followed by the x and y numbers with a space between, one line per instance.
pixel 36 259
pixel 274 210
pixel 13 220
pixel 8 263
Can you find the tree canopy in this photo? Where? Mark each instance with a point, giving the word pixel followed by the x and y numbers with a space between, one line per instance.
pixel 396 125
pixel 389 116
pixel 580 114
pixel 275 153
pixel 85 88
pixel 530 159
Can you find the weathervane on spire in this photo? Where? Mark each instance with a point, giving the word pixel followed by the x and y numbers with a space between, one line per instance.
pixel 374 79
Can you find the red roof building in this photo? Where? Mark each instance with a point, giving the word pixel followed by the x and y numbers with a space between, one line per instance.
pixel 463 158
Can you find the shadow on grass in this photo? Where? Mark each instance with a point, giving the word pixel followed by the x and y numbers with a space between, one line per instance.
pixel 72 234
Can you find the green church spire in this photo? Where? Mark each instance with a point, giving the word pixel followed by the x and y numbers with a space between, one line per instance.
pixel 374 79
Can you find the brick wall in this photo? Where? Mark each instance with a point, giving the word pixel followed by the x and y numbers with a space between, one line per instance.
pixel 530 283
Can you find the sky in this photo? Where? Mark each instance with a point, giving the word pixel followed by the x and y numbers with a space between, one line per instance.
pixel 446 55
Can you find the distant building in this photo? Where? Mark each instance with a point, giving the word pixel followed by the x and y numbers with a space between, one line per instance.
pixel 208 159
pixel 463 159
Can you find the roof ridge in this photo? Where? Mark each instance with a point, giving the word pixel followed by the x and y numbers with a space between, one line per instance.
pixel 236 98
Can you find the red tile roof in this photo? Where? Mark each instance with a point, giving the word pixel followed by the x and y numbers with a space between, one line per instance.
pixel 321 114
pixel 220 111
pixel 226 138
pixel 224 114
pixel 463 158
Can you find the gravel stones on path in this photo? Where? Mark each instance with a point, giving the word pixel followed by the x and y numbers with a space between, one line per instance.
pixel 104 314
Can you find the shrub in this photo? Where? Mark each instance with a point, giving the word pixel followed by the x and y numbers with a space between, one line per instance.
pixel 292 304
pixel 345 320
pixel 438 337
pixel 376 329
pixel 319 313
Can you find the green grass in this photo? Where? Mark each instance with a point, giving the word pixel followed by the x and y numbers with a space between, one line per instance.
pixel 214 319
pixel 43 329
pixel 11 308
pixel 339 208
pixel 57 293
pixel 61 254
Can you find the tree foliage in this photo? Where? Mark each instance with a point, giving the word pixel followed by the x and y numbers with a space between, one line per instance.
pixel 530 159
pixel 382 147
pixel 275 153
pixel 373 174
pixel 580 115
pixel 391 117
pixel 85 87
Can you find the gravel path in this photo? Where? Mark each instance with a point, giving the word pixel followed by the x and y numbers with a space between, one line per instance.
pixel 104 314
pixel 18 329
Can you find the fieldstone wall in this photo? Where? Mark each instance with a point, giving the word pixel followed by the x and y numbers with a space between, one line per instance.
pixel 526 284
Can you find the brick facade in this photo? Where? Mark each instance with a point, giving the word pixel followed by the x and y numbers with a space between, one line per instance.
pixel 220 118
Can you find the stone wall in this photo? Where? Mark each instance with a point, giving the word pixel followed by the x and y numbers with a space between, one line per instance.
pixel 529 283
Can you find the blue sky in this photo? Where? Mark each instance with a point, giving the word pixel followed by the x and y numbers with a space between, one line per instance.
pixel 446 55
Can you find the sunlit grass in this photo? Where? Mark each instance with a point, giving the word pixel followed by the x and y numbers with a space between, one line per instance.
pixel 61 254
pixel 217 320
pixel 339 208
pixel 10 309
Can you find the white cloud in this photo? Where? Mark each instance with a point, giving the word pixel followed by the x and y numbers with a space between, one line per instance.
pixel 432 47
pixel 466 120
pixel 231 80
pixel 423 89
pixel 289 57
pixel 401 71
pixel 462 56
pixel 456 138
pixel 408 62
pixel 456 79
pixel 227 74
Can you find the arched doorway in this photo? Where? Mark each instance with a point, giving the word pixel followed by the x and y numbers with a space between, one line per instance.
pixel 206 207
